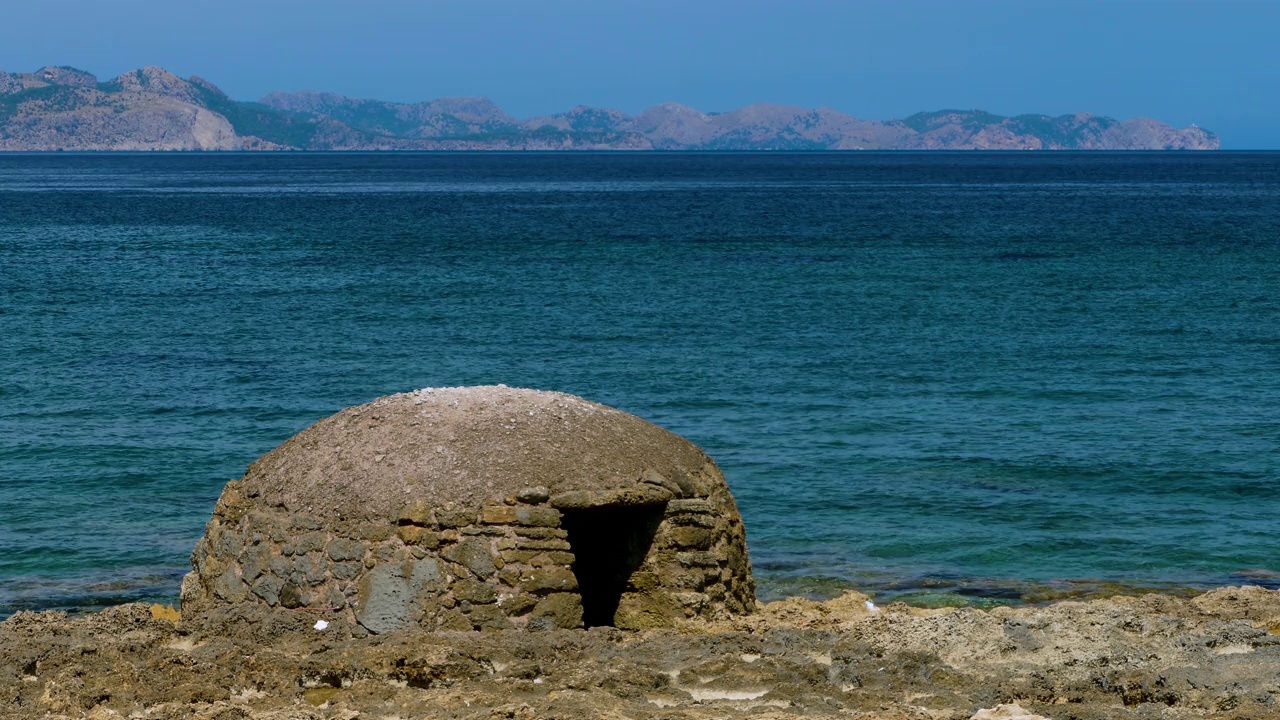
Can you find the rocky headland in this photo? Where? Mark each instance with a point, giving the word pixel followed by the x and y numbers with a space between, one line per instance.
pixel 62 108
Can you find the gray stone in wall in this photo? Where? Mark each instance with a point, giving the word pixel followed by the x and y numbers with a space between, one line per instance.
pixel 653 477
pixel 268 588
pixel 388 593
pixel 345 570
pixel 256 562
pixel 425 574
pixel 304 522
pixel 280 565
pixel 372 531
pixel 230 543
pixel 310 542
pixel 475 555
pixel 538 516
pixel 308 570
pixel 341 550
pixel 278 532
pixel 230 587
pixel 330 597
pixel 682 481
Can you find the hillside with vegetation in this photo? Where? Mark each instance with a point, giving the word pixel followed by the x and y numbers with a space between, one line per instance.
pixel 63 108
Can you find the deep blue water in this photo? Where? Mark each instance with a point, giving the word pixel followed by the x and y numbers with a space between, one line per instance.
pixel 940 376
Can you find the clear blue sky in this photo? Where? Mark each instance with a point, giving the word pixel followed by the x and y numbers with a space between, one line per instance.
pixel 1212 62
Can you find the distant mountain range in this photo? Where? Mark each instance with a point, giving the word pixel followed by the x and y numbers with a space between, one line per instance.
pixel 62 108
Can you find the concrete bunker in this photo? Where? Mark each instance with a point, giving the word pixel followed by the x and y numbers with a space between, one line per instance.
pixel 476 508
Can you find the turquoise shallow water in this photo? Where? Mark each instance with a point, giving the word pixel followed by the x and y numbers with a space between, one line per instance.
pixel 945 377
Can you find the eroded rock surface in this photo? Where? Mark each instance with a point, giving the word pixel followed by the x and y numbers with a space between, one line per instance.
pixel 1214 656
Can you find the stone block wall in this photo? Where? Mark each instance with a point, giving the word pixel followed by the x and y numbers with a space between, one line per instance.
pixel 507 564
pixel 697 565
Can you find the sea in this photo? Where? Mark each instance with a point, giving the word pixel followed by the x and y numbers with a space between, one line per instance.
pixel 941 378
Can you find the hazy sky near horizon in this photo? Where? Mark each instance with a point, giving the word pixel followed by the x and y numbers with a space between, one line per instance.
pixel 1211 62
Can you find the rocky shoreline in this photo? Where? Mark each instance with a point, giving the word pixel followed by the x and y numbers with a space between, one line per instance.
pixel 1216 655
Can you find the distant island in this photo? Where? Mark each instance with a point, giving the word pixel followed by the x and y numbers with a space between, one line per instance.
pixel 62 108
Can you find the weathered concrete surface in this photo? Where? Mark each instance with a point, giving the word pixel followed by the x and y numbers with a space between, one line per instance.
pixel 463 446
pixel 1215 656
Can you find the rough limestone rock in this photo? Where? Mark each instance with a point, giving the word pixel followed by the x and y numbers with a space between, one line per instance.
pixel 1213 657
pixel 158 81
pixel 476 508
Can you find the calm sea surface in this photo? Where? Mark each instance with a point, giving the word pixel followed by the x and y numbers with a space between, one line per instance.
pixel 941 377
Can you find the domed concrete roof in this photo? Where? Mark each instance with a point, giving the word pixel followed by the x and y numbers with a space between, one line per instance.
pixel 462 445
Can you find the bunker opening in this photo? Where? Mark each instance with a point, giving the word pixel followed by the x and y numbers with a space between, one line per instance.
pixel 609 544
